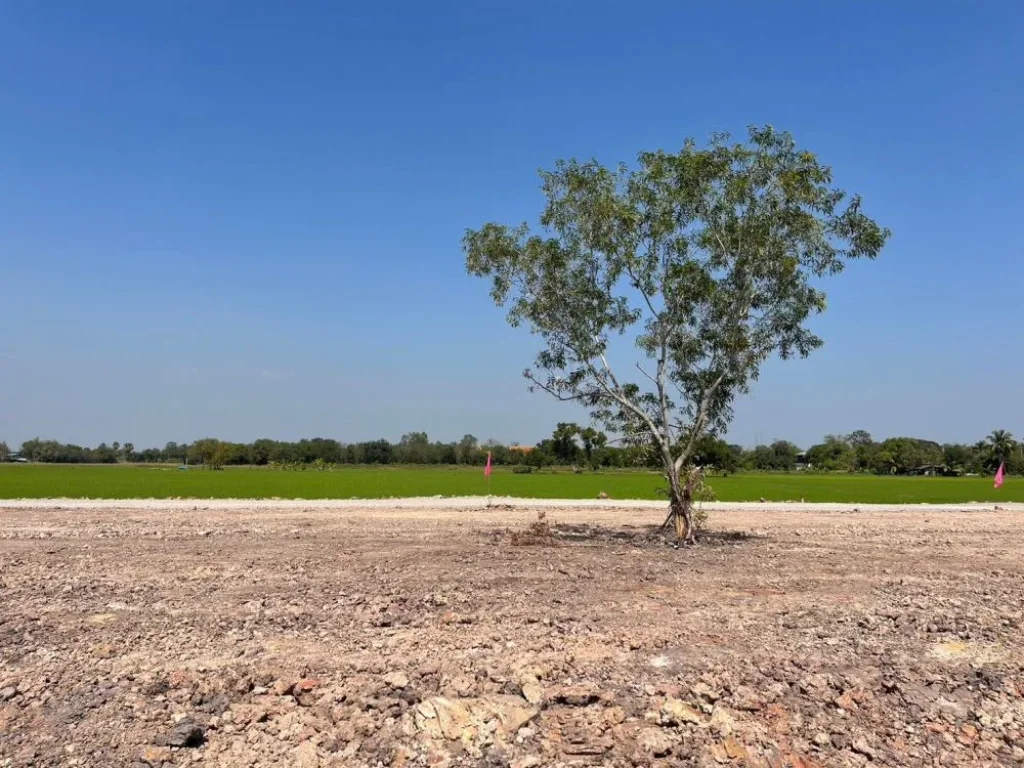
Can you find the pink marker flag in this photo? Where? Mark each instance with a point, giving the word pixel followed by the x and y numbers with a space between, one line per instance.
pixel 1000 473
pixel 487 469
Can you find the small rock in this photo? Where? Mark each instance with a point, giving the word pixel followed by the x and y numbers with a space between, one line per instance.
pixel 396 680
pixel 533 692
pixel 8 693
pixel 282 687
pixel 862 747
pixel 185 734
pixel 654 742
pixel 676 712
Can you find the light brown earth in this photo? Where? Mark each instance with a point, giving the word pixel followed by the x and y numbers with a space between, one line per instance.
pixel 194 633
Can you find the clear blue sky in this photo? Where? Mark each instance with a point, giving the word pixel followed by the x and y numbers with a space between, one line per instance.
pixel 242 219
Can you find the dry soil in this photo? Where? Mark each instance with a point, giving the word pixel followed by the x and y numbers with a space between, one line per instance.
pixel 448 633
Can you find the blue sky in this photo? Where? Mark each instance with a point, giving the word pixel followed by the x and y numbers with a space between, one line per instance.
pixel 244 219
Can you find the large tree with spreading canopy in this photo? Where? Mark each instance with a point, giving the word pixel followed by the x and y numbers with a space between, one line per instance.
pixel 709 258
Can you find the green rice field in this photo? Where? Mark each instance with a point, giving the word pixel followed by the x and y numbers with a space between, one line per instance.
pixel 125 482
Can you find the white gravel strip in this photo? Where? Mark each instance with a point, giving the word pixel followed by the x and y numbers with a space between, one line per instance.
pixel 476 502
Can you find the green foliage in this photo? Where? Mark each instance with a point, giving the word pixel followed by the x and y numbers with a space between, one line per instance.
pixel 716 454
pixel 51 451
pixel 563 443
pixel 708 258
pixel 5 452
pixel 570 445
pixel 1002 444
pixel 900 455
pixel 780 456
pixel 834 454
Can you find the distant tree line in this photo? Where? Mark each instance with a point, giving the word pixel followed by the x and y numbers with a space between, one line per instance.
pixel 569 445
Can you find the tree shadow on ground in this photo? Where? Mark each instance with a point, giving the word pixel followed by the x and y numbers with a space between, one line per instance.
pixel 642 535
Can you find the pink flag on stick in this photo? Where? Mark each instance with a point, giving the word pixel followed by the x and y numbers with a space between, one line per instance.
pixel 1000 473
pixel 487 469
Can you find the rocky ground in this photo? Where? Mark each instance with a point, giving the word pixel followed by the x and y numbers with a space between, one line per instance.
pixel 197 634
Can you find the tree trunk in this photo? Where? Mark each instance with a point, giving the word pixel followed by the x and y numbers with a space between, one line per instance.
pixel 681 506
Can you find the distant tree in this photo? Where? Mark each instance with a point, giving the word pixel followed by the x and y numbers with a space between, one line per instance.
pixel 203 451
pixel 593 441
pixel 784 455
pixel 859 437
pixel 5 452
pixel 128 449
pixel 261 451
pixel 716 453
pixel 377 452
pixel 413 448
pixel 222 454
pixel 900 455
pixel 1001 444
pixel 563 443
pixel 444 453
pixel 761 458
pixel 835 453
pixel 959 458
pixel 467 450
pixel 864 450
pixel 709 257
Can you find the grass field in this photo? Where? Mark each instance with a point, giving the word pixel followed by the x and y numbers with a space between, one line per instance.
pixel 123 482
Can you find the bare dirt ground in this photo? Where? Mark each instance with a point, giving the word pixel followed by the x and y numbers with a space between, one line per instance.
pixel 447 634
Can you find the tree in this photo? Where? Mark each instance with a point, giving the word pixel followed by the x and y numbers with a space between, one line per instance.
pixel 1001 444
pixel 563 443
pixel 129 451
pixel 5 452
pixel 204 451
pixel 414 448
pixel 958 458
pixel 899 455
pixel 716 453
pixel 706 257
pixel 377 452
pixel 593 441
pixel 835 453
pixel 859 437
pixel 467 449
pixel 865 449
pixel 783 455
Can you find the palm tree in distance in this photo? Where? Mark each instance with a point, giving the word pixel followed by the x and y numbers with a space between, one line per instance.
pixel 1001 444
